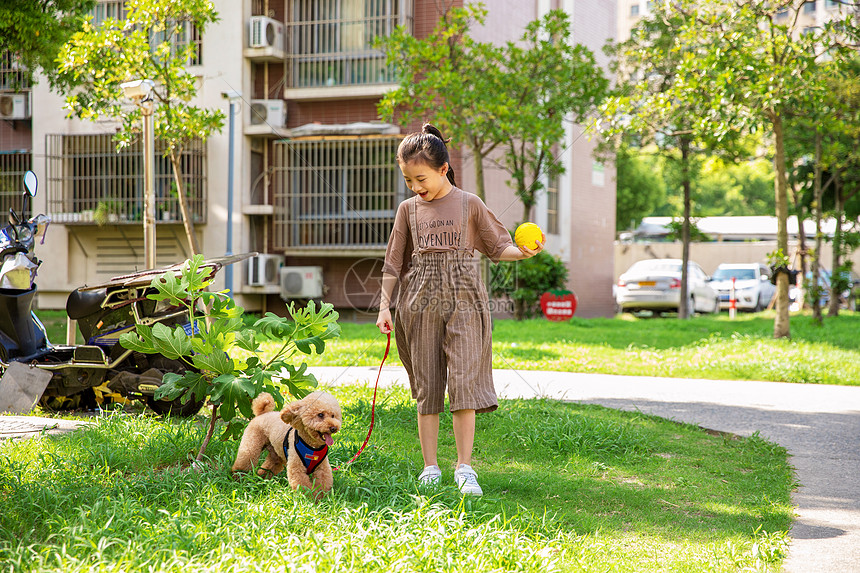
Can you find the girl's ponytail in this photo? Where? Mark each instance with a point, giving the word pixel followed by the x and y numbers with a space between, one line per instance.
pixel 427 146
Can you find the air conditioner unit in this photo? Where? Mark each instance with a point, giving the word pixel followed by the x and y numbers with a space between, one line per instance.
pixel 266 33
pixel 264 270
pixel 271 112
pixel 301 282
pixel 14 106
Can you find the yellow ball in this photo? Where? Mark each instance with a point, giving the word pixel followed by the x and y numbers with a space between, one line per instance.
pixel 527 235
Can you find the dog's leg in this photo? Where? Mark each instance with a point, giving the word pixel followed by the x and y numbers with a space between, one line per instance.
pixel 273 464
pixel 249 451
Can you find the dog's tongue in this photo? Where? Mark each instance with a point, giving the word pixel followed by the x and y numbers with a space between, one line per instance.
pixel 328 440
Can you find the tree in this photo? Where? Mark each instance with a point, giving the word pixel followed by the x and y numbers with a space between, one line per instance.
pixel 451 80
pixel 514 98
pixel 639 188
pixel 662 107
pixel 153 42
pixel 753 64
pixel 33 31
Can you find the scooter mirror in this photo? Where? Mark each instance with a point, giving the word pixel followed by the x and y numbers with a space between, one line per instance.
pixel 31 183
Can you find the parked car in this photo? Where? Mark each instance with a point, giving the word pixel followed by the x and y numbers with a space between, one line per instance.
pixel 753 289
pixel 655 285
pixel 849 298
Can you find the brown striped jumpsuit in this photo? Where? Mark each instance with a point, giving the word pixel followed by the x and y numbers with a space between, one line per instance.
pixel 442 326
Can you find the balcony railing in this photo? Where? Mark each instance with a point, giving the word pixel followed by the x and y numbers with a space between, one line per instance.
pixel 13 165
pixel 335 194
pixel 330 42
pixel 88 181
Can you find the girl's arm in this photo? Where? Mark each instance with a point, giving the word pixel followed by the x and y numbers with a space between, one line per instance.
pixel 383 320
pixel 514 253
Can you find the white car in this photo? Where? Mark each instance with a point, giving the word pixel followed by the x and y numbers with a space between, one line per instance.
pixel 753 289
pixel 655 285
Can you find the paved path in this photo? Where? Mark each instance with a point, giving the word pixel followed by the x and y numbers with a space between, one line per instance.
pixel 818 425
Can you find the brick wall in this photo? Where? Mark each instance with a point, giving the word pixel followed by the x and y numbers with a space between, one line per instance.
pixel 15 135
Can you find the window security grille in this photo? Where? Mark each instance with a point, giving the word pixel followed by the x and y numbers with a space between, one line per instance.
pixel 331 41
pixel 14 77
pixel 183 35
pixel 13 165
pixel 335 193
pixel 552 205
pixel 88 181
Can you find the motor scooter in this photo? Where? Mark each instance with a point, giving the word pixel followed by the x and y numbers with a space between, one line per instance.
pixel 101 368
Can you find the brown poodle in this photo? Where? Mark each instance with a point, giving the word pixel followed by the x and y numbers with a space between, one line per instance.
pixel 298 436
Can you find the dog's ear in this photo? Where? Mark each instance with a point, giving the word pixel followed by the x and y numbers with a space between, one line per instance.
pixel 292 412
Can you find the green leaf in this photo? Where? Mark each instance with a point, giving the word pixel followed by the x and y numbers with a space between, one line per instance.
pixel 139 341
pixel 216 362
pixel 173 344
pixel 175 385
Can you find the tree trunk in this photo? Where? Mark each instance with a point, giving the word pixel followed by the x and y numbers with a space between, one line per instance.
pixel 815 299
pixel 781 325
pixel 479 172
pixel 838 238
pixel 685 232
pixel 183 205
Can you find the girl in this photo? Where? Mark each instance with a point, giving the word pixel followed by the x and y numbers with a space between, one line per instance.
pixel 443 328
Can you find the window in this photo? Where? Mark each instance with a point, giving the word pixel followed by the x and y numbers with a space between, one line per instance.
pixel 89 181
pixel 634 9
pixel 340 193
pixel 809 7
pixel 13 165
pixel 331 41
pixel 14 77
pixel 552 206
pixel 830 4
pixel 782 14
pixel 181 36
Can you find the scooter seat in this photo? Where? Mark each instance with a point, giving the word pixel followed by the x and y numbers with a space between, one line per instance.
pixel 83 303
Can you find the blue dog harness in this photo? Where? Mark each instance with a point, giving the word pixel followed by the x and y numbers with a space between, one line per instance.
pixel 310 457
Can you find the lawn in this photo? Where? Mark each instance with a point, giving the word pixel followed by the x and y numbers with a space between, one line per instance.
pixel 711 347
pixel 568 488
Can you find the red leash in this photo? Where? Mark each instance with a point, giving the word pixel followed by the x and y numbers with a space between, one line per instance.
pixel 372 407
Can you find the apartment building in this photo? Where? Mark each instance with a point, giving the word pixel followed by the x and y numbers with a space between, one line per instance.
pixel 813 13
pixel 315 184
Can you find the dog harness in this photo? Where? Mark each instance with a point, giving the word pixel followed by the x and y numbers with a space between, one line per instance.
pixel 310 457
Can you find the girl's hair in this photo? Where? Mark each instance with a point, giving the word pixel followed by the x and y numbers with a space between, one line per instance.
pixel 427 146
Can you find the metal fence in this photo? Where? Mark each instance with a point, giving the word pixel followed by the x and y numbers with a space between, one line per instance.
pixel 337 193
pixel 330 42
pixel 89 181
pixel 13 165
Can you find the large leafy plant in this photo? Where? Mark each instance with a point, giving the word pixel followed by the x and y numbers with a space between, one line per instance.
pixel 227 364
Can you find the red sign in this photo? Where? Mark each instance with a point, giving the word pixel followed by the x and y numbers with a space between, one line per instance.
pixel 558 305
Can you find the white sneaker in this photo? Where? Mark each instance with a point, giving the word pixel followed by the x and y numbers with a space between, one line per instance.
pixel 431 475
pixel 467 480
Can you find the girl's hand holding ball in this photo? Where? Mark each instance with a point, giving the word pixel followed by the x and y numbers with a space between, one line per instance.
pixel 530 239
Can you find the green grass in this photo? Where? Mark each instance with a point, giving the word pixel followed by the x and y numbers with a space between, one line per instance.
pixel 702 347
pixel 568 488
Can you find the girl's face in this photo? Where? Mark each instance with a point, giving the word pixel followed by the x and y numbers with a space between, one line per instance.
pixel 427 182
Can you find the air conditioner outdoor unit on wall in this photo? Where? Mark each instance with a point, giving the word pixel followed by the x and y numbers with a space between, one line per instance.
pixel 14 106
pixel 264 270
pixel 301 282
pixel 271 112
pixel 266 33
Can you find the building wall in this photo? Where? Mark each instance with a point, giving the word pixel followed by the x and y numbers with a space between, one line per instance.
pixel 71 253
